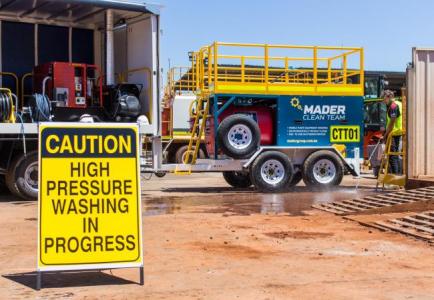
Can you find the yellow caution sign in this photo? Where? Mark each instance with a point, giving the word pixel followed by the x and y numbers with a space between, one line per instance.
pixel 345 134
pixel 89 197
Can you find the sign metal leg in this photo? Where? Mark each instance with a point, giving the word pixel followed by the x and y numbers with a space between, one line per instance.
pixel 142 276
pixel 38 280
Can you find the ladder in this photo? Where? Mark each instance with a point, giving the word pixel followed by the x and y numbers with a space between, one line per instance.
pixel 384 175
pixel 202 110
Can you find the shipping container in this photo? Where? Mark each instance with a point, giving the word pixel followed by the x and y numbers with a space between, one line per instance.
pixel 420 114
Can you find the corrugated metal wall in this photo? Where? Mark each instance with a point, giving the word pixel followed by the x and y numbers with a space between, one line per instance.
pixel 420 128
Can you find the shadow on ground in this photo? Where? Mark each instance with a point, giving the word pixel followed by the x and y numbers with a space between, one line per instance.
pixel 232 190
pixel 67 279
pixel 6 196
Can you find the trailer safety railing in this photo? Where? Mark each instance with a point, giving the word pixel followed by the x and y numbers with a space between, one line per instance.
pixel 181 81
pixel 278 69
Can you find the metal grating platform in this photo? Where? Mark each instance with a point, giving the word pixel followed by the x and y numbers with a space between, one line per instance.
pixel 420 226
pixel 352 206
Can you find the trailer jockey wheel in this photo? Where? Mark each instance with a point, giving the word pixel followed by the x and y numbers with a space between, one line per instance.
pixel 160 174
pixel 323 169
pixel 272 171
pixel 182 151
pixel 237 179
pixel 22 176
pixel 239 136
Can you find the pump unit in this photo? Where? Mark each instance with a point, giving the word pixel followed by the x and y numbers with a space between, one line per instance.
pixel 65 91
pixel 122 102
pixel 69 84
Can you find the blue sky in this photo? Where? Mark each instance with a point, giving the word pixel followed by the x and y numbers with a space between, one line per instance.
pixel 386 29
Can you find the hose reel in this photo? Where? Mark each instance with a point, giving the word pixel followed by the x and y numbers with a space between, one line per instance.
pixel 7 106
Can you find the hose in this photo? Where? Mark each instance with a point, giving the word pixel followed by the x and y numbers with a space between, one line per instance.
pixel 41 110
pixel 23 134
pixel 7 113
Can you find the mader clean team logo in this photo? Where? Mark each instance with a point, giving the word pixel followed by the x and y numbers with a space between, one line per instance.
pixel 320 112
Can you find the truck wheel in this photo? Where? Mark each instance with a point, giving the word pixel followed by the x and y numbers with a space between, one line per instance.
pixel 180 154
pixel 271 172
pixel 22 176
pixel 160 174
pixel 322 169
pixel 237 179
pixel 238 136
pixel 296 178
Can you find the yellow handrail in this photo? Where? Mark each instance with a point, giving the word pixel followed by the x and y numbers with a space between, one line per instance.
pixel 23 78
pixel 180 80
pixel 285 46
pixel 216 70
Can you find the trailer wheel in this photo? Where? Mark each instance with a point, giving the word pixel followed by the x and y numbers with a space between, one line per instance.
pixel 22 176
pixel 272 171
pixel 237 179
pixel 296 178
pixel 180 154
pixel 323 169
pixel 239 136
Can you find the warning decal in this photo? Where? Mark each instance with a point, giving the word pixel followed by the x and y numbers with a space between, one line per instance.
pixel 89 197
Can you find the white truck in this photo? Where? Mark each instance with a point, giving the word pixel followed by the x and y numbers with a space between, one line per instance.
pixel 90 61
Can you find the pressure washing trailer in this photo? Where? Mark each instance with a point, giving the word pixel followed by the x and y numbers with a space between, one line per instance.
pixel 272 115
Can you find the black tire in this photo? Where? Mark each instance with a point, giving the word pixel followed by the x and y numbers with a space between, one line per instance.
pixel 323 169
pixel 160 174
pixel 296 178
pixel 22 176
pixel 267 162
pixel 245 133
pixel 237 179
pixel 179 154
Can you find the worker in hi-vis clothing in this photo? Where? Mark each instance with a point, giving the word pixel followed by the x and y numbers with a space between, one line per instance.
pixel 393 125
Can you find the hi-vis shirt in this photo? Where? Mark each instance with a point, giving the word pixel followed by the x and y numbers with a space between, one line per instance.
pixel 394 111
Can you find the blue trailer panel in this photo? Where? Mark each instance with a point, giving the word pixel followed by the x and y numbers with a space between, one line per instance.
pixel 320 121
